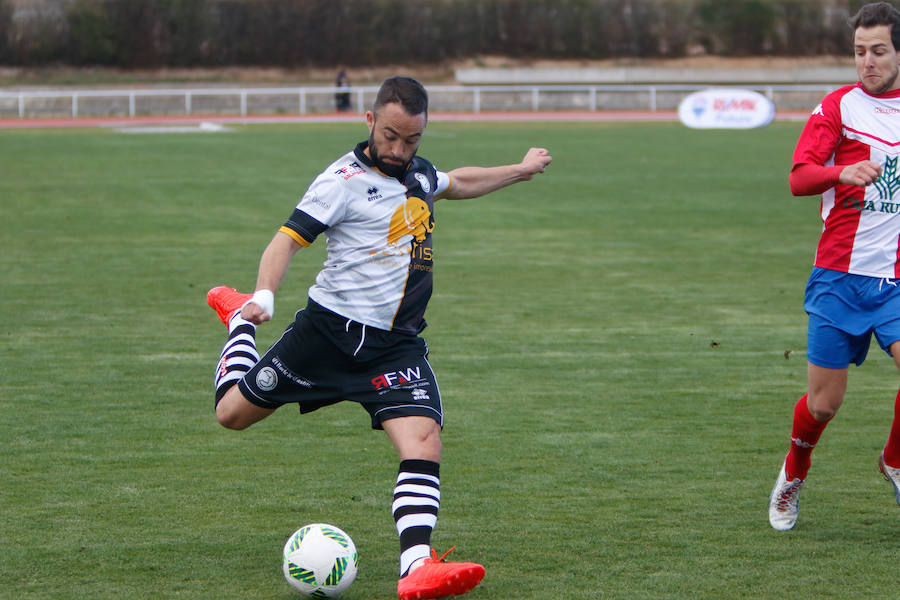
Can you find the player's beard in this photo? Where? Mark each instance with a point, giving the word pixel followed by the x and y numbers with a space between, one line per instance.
pixel 389 169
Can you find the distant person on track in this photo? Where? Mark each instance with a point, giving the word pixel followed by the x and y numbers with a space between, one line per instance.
pixel 342 98
pixel 848 153
pixel 358 337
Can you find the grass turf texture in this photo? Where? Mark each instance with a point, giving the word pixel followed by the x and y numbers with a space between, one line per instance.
pixel 619 344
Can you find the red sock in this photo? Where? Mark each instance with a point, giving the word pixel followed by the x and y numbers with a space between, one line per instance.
pixel 892 450
pixel 804 437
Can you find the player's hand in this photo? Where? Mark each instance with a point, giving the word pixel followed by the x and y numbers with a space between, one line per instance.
pixel 862 173
pixel 535 161
pixel 260 307
pixel 254 313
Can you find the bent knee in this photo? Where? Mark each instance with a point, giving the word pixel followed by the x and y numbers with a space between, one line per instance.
pixel 235 412
pixel 823 408
pixel 231 420
pixel 823 414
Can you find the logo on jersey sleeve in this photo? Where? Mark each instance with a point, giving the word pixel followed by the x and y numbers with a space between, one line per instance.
pixel 423 181
pixel 411 218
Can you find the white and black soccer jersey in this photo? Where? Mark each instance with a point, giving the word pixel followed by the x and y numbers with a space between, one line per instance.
pixel 379 264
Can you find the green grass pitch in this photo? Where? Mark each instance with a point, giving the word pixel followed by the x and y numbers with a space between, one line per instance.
pixel 619 343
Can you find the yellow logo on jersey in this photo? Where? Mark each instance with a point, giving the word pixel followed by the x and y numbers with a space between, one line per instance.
pixel 411 218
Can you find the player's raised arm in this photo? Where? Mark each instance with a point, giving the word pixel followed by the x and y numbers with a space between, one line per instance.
pixel 472 182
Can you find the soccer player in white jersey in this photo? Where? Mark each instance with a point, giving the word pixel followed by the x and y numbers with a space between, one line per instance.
pixel 358 337
pixel 848 153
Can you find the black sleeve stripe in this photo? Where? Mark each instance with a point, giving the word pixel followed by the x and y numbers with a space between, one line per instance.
pixel 305 226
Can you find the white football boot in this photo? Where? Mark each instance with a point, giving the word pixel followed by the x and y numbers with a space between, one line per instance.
pixel 784 503
pixel 891 474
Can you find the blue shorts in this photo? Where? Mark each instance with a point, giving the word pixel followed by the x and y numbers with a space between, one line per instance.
pixel 844 311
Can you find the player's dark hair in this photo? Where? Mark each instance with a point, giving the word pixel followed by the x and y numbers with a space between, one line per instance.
pixel 407 92
pixel 879 13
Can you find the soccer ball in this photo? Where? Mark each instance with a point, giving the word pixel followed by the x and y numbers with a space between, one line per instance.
pixel 319 561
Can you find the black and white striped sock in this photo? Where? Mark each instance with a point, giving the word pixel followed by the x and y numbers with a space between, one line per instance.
pixel 238 356
pixel 417 497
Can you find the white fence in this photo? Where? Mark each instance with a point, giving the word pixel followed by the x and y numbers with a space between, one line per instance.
pixel 318 100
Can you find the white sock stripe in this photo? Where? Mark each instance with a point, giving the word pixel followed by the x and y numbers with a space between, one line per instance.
pixel 413 554
pixel 243 353
pixel 413 501
pixel 407 475
pixel 410 488
pixel 416 520
pixel 801 443
pixel 237 320
pixel 243 339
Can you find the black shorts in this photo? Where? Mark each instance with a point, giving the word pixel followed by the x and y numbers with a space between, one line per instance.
pixel 323 358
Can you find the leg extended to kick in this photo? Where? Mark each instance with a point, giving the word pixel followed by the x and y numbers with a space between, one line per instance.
pixel 239 355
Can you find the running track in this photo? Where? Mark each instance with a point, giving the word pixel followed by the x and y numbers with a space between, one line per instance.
pixel 561 116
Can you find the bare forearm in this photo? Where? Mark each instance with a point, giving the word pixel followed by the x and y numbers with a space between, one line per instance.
pixel 471 182
pixel 275 261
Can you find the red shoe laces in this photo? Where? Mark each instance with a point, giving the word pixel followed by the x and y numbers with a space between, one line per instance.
pixel 786 498
pixel 443 556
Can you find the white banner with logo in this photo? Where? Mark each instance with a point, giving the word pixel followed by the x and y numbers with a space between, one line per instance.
pixel 726 108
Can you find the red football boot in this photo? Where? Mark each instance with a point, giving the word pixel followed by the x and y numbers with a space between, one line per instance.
pixel 437 579
pixel 226 301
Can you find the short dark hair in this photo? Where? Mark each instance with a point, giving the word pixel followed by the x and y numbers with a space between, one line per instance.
pixel 879 13
pixel 407 92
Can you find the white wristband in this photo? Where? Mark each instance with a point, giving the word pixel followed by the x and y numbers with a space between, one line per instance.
pixel 265 299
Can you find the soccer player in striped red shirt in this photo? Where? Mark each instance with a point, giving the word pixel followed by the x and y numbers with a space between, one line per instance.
pixel 848 153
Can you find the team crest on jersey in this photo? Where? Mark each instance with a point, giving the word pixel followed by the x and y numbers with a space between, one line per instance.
pixel 423 181
pixel 351 170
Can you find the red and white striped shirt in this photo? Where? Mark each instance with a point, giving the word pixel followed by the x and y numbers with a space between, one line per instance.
pixel 861 232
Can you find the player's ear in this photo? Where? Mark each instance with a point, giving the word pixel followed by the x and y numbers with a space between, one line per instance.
pixel 370 120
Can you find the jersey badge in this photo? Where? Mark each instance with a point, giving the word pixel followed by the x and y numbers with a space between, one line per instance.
pixel 889 182
pixel 423 181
